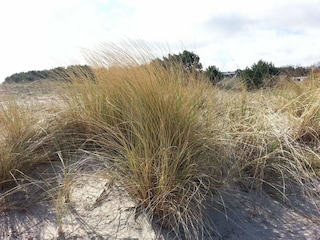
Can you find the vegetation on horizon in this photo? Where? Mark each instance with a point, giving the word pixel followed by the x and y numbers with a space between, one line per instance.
pixel 59 73
pixel 253 77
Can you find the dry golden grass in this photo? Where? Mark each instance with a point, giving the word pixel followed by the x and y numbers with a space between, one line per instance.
pixel 170 139
pixel 149 127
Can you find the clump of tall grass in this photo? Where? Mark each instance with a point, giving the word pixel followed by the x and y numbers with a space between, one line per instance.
pixel 301 101
pixel 149 124
pixel 18 141
pixel 308 129
pixel 261 141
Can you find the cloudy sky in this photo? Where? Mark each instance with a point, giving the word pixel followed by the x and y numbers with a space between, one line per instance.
pixel 230 34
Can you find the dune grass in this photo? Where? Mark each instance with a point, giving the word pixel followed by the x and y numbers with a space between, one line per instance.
pixel 167 137
pixel 149 127
pixel 20 140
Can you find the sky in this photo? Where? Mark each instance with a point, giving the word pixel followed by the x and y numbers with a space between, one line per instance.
pixel 230 34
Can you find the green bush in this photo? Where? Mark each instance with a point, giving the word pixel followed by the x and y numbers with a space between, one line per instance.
pixel 258 75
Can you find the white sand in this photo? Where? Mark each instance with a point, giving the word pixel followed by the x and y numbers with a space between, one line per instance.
pixel 247 216
pixel 83 218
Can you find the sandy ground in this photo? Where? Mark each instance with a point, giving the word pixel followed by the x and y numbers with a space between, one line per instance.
pixel 99 211
pixel 265 216
pixel 94 212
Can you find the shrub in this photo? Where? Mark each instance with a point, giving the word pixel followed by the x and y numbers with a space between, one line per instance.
pixel 258 74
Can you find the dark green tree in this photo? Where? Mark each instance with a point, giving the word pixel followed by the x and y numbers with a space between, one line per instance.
pixel 260 72
pixel 188 60
pixel 191 61
pixel 213 74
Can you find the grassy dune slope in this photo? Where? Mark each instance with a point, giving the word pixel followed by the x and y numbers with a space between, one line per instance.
pixel 169 139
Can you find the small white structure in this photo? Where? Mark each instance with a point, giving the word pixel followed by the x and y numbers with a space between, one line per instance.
pixel 300 79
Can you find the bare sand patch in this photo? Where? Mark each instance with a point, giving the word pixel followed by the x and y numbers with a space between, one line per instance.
pixel 98 210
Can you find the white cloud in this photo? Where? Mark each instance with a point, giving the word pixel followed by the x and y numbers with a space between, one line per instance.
pixel 38 34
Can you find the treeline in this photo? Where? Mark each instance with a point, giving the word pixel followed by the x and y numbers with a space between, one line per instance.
pixel 59 73
pixel 295 71
pixel 256 76
pixel 260 74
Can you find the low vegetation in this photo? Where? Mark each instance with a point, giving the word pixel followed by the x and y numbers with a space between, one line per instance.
pixel 166 136
pixel 61 73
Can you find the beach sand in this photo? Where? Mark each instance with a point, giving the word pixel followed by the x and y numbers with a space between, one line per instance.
pixel 98 210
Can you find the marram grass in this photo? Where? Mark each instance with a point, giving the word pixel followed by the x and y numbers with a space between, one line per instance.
pixel 20 140
pixel 167 137
pixel 148 125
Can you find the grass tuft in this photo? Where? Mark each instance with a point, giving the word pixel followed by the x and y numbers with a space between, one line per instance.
pixel 146 123
pixel 20 141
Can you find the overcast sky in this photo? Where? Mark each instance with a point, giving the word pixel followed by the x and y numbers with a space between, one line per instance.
pixel 230 34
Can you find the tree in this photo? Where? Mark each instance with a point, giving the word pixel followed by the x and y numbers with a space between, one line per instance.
pixel 191 61
pixel 213 74
pixel 256 76
pixel 188 60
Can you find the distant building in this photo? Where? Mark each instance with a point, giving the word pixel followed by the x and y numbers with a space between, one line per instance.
pixel 300 79
pixel 233 74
